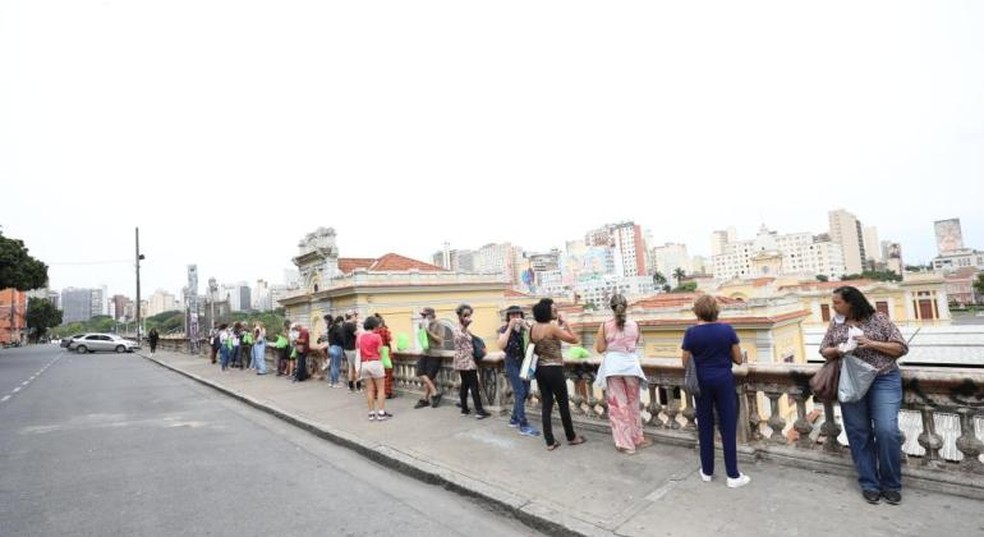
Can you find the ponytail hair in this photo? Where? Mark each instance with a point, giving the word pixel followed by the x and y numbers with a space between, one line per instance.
pixel 619 305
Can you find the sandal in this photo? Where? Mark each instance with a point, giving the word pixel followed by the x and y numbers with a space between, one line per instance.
pixel 576 441
pixel 625 451
pixel 553 446
pixel 645 443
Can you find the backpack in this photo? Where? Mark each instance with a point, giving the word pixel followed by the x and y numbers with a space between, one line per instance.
pixel 478 348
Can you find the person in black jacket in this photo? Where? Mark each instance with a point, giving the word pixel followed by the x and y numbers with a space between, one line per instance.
pixel 153 337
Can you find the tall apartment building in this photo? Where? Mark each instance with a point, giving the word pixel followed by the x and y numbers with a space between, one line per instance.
pixel 721 238
pixel 628 248
pixel 498 258
pixel 120 306
pixel 162 301
pixel 13 315
pixel 238 294
pixel 949 236
pixel 872 247
pixel 846 230
pixel 797 253
pixel 76 305
pixel 260 297
pixel 670 257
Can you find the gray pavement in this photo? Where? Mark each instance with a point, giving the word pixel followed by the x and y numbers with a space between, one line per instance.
pixel 588 489
pixel 106 445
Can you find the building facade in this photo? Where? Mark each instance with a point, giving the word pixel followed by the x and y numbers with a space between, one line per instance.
pixel 847 231
pixel 771 254
pixel 13 316
pixel 76 305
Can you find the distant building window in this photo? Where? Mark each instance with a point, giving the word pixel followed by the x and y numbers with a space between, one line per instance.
pixel 882 306
pixel 825 312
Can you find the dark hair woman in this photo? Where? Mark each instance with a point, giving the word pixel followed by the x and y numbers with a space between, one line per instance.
pixel 464 362
pixel 546 336
pixel 714 347
pixel 871 424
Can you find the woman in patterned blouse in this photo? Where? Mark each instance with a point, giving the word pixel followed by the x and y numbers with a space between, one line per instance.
pixel 872 424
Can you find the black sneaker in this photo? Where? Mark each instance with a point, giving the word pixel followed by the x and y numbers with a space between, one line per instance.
pixel 436 400
pixel 465 412
pixel 871 496
pixel 481 415
pixel 892 497
pixel 421 404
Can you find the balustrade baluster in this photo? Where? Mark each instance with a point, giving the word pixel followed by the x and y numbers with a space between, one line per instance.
pixel 830 429
pixel 802 425
pixel 690 413
pixel 968 443
pixel 672 409
pixel 754 419
pixel 776 422
pixel 654 406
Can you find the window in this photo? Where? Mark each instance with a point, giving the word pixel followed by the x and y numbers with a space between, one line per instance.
pixel 882 307
pixel 825 312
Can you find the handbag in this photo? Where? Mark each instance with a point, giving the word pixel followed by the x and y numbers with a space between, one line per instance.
pixel 690 378
pixel 855 378
pixel 422 339
pixel 825 382
pixel 528 368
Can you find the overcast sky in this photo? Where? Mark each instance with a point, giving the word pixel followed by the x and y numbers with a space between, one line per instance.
pixel 226 130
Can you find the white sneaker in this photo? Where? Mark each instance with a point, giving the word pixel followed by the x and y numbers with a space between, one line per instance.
pixel 704 477
pixel 739 481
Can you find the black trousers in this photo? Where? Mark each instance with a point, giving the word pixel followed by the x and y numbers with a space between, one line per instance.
pixel 553 386
pixel 469 381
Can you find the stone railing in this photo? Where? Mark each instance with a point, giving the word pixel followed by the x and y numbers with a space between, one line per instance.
pixel 942 417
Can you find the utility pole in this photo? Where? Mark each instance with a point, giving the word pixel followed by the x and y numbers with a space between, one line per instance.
pixel 139 257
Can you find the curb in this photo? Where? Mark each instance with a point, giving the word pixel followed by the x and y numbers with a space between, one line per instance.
pixel 526 510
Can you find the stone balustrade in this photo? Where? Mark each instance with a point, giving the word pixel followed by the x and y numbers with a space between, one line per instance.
pixel 942 418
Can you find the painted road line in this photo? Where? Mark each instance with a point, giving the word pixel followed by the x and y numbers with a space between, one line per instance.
pixel 17 389
pixel 4 400
pixel 25 383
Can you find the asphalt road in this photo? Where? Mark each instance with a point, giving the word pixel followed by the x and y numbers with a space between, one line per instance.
pixel 107 444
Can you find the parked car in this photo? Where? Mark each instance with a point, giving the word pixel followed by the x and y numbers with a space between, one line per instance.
pixel 66 340
pixel 102 342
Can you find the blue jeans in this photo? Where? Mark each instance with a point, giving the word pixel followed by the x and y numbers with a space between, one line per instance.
pixel 872 427
pixel 335 355
pixel 718 392
pixel 224 355
pixel 259 357
pixel 521 389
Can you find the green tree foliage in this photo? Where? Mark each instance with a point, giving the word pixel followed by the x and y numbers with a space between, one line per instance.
pixel 18 269
pixel 979 284
pixel 41 315
pixel 659 279
pixel 877 275
pixel 679 274
pixel 822 278
pixel 687 287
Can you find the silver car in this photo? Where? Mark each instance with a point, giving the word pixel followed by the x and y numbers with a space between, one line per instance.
pixel 102 342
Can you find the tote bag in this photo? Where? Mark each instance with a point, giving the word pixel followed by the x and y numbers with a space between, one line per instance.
pixel 856 377
pixel 690 378
pixel 528 368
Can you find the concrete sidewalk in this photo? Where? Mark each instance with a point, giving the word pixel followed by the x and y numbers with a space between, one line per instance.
pixel 588 489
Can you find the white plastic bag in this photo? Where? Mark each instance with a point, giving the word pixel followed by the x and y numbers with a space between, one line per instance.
pixel 856 377
pixel 528 369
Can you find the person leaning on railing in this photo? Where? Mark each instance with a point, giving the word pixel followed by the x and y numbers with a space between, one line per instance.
pixel 546 337
pixel 871 424
pixel 713 347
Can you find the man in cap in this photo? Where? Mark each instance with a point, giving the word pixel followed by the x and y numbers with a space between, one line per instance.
pixel 350 331
pixel 429 364
pixel 513 338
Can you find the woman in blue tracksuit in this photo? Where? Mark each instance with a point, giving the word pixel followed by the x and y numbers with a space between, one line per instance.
pixel 714 347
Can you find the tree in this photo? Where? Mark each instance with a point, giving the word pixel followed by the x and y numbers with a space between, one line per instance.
pixel 979 284
pixel 18 269
pixel 822 278
pixel 658 279
pixel 688 287
pixel 679 274
pixel 41 315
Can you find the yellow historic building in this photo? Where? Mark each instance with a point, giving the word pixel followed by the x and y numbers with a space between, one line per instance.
pixel 394 286
pixel 919 300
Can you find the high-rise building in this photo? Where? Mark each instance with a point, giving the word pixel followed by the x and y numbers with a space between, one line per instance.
pixel 628 248
pixel 162 301
pixel 76 305
pixel 871 245
pixel 99 304
pixel 237 294
pixel 721 238
pixel 13 315
pixel 795 253
pixel 672 256
pixel 846 230
pixel 498 258
pixel 260 298
pixel 949 237
pixel 119 303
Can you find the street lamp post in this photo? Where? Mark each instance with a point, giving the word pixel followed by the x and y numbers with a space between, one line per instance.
pixel 139 257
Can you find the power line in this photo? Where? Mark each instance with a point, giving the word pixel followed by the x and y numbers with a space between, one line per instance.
pixel 114 262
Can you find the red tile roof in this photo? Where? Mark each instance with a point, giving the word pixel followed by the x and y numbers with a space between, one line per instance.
pixel 388 263
pixel 512 293
pixel 676 300
pixel 818 285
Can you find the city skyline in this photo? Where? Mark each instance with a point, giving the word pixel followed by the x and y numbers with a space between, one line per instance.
pixel 225 148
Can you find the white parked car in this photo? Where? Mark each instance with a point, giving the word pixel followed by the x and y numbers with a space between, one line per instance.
pixel 102 342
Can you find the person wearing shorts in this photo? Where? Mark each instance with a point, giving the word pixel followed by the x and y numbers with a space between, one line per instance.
pixel 429 364
pixel 371 370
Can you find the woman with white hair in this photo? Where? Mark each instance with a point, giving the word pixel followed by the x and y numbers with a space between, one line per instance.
pixel 621 375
